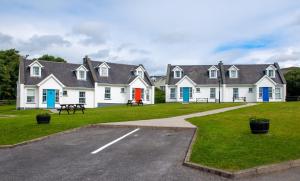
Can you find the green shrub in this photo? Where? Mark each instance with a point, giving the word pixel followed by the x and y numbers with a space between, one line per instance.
pixel 159 96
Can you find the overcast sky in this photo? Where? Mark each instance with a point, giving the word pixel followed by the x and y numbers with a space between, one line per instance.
pixel 155 32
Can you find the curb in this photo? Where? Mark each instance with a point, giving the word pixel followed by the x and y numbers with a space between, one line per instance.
pixel 255 171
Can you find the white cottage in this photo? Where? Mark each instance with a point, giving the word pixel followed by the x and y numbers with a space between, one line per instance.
pixel 44 84
pixel 227 83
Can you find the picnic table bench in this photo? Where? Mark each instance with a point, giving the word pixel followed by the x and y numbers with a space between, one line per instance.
pixel 139 102
pixel 71 107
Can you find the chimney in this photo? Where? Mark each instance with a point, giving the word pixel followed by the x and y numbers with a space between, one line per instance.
pixel 85 59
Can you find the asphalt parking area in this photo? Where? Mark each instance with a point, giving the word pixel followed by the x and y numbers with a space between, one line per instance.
pixel 106 154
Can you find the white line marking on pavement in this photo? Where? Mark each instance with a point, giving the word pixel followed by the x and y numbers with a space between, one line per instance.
pixel 116 140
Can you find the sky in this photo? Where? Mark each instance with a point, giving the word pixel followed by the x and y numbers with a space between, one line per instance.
pixel 155 32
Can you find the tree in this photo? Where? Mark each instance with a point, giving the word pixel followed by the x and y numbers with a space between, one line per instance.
pixel 52 58
pixel 292 78
pixel 159 96
pixel 9 69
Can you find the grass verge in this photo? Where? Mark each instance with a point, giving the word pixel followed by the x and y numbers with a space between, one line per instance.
pixel 224 140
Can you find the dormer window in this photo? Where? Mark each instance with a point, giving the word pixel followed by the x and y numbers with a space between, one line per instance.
pixel 35 69
pixel 177 72
pixel 270 71
pixel 104 72
pixel 140 71
pixel 103 69
pixel 213 72
pixel 233 72
pixel 81 72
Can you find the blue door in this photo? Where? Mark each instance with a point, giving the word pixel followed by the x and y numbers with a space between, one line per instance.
pixel 50 98
pixel 265 94
pixel 186 94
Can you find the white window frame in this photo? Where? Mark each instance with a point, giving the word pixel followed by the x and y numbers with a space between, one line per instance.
pixel 211 74
pixel 140 73
pixel 107 93
pixel 103 73
pixel 65 93
pixel 82 97
pixel 278 93
pixel 198 90
pixel 79 75
pixel 122 90
pixel 273 73
pixel 177 76
pixel 33 72
pixel 44 96
pixel 233 75
pixel 214 93
pixel 235 94
pixel 250 88
pixel 27 95
pixel 172 93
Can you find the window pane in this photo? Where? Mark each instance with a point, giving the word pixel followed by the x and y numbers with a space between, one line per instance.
pixel 56 95
pixel 212 93
pixel 44 95
pixel 107 93
pixel 191 92
pixel 235 92
pixel 36 71
pixel 82 97
pixel 181 89
pixel 277 93
pixel 270 92
pixel 260 92
pixel 30 95
pixel 172 93
pixel 81 74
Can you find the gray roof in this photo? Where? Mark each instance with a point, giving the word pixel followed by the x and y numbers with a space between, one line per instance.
pixel 65 73
pixel 118 73
pixel 247 74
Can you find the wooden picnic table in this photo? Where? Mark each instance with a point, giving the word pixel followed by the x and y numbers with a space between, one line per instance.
pixel 71 107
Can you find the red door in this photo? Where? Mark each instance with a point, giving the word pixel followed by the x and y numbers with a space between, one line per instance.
pixel 138 94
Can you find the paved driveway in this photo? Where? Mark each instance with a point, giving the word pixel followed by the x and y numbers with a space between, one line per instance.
pixel 135 154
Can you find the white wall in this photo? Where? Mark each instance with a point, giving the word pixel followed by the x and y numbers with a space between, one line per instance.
pixel 72 96
pixel 116 96
pixel 243 92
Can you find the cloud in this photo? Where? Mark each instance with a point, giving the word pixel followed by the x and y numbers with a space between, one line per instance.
pixel 287 56
pixel 101 54
pixel 139 51
pixel 172 38
pixel 5 40
pixel 42 42
pixel 93 33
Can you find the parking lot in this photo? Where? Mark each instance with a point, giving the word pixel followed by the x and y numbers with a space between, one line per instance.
pixel 102 153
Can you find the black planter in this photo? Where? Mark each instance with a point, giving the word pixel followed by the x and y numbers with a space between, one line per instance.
pixel 43 119
pixel 259 126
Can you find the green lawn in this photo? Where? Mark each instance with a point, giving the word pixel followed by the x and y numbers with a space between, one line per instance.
pixel 224 140
pixel 17 126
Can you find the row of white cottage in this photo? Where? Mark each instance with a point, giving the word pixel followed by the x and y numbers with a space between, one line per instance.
pixel 225 83
pixel 44 84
